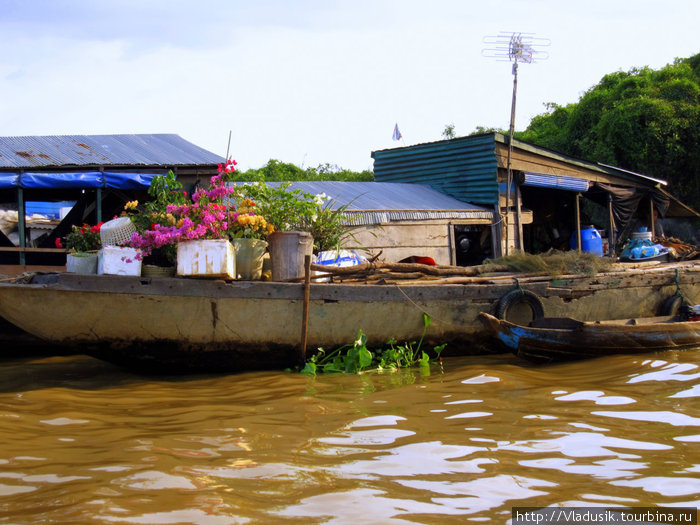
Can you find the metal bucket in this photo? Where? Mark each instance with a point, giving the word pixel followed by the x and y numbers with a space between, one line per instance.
pixel 287 252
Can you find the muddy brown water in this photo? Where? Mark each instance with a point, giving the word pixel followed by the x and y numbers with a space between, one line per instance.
pixel 82 441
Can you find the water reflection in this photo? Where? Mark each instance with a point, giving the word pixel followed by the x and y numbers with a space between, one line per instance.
pixel 87 442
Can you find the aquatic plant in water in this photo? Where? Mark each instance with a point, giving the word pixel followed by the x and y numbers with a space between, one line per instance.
pixel 356 357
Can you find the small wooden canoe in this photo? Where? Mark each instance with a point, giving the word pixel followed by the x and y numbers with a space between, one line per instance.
pixel 561 338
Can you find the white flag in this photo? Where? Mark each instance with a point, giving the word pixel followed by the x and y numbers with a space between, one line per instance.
pixel 397 133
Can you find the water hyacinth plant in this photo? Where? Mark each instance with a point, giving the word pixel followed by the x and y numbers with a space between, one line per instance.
pixel 357 358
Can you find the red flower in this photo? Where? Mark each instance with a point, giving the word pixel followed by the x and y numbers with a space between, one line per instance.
pixel 58 242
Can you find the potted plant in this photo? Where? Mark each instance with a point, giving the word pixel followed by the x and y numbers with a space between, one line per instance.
pixel 303 224
pixel 247 230
pixel 82 243
pixel 198 227
pixel 158 251
pixel 290 213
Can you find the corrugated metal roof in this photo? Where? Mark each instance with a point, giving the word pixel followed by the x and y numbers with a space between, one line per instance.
pixel 465 168
pixel 102 150
pixel 382 202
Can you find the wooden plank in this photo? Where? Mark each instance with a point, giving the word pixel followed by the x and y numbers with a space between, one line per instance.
pixel 18 249
pixel 12 270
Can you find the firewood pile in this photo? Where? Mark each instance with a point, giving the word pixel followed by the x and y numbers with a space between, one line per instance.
pixel 395 273
pixel 680 250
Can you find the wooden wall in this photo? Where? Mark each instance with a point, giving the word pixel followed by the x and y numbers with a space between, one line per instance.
pixel 399 240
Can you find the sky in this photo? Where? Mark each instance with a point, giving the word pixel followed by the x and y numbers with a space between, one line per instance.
pixel 313 81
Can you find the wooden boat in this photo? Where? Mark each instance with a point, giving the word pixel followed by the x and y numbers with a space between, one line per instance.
pixel 179 324
pixel 563 338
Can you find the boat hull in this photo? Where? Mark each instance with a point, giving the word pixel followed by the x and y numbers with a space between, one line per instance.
pixel 170 323
pixel 578 340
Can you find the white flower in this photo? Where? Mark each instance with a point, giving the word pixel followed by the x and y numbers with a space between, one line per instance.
pixel 320 198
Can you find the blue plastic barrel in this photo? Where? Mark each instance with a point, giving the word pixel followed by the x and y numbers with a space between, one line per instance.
pixel 590 241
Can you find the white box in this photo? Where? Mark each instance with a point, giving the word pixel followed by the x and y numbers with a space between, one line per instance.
pixel 213 258
pixel 119 260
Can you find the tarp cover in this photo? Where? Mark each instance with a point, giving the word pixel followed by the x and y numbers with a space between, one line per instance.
pixel 8 180
pixel 625 202
pixel 76 180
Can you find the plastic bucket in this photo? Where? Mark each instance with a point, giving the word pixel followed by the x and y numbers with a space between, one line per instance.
pixel 287 252
pixel 249 258
pixel 590 241
pixel 83 263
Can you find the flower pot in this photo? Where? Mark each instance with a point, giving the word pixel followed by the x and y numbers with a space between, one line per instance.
pixel 249 258
pixel 152 270
pixel 82 263
pixel 119 260
pixel 287 252
pixel 212 258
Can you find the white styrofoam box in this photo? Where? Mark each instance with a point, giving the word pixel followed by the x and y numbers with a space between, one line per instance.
pixel 213 258
pixel 118 260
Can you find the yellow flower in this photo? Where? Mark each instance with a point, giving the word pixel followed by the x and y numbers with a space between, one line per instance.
pixel 179 223
pixel 171 219
pixel 131 205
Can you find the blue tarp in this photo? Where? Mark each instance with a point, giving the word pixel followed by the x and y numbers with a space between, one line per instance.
pixel 76 180
pixel 8 180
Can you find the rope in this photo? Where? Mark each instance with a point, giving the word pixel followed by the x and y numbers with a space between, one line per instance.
pixel 678 286
pixel 518 286
pixel 422 310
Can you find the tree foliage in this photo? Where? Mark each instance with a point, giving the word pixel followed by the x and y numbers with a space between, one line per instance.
pixel 275 170
pixel 643 120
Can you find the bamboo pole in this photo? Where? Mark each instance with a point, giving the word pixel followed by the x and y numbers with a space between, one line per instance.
pixel 578 221
pixel 305 314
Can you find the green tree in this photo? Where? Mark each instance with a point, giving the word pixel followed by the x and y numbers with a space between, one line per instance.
pixel 449 131
pixel 643 120
pixel 276 170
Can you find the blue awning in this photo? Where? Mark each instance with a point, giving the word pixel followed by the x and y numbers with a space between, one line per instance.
pixel 76 180
pixel 560 182
pixel 8 180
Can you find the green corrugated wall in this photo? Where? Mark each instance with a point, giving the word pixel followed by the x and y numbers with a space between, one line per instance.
pixel 464 168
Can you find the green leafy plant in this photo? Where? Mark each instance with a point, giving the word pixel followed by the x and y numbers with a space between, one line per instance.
pixel 165 190
pixel 356 357
pixel 285 209
pixel 289 209
pixel 329 226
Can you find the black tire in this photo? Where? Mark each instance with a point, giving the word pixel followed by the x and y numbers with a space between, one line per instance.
pixel 516 297
pixel 671 305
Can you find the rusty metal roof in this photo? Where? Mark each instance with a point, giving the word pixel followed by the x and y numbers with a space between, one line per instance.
pixel 58 151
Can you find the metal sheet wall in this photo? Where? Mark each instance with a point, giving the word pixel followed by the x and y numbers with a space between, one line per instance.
pixel 465 168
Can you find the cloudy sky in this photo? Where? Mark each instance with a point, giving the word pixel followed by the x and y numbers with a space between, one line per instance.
pixel 312 81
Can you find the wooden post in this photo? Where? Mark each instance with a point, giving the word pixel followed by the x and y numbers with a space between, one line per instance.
pixel 305 315
pixel 611 232
pixel 651 218
pixel 98 200
pixel 21 225
pixel 518 218
pixel 578 222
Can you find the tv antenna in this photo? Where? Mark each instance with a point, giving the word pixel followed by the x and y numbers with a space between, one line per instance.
pixel 516 48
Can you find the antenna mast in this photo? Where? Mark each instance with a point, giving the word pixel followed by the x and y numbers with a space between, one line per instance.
pixel 514 47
